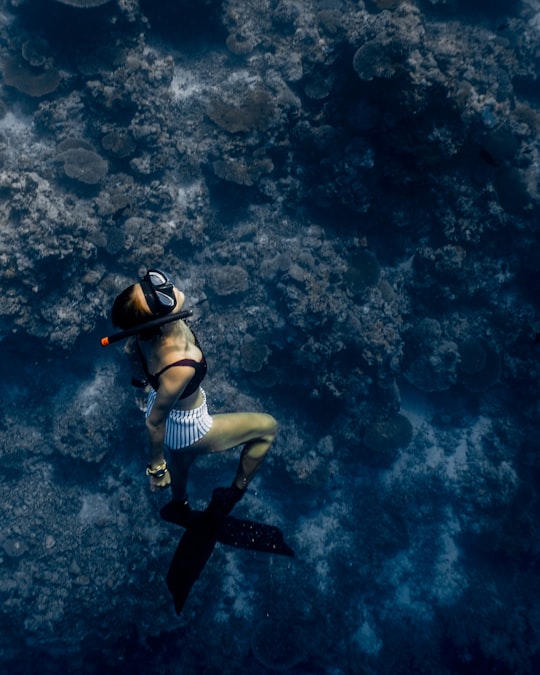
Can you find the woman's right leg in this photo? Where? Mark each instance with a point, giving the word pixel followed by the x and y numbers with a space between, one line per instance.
pixel 178 509
pixel 179 462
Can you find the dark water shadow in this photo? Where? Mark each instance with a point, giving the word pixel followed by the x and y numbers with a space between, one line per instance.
pixel 185 24
pixel 477 11
pixel 68 28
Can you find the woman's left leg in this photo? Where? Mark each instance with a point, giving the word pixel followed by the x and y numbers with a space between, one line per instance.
pixel 251 458
pixel 255 431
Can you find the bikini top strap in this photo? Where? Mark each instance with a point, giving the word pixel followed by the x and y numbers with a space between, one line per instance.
pixel 182 362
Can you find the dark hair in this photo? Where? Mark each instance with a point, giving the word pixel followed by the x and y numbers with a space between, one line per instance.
pixel 127 312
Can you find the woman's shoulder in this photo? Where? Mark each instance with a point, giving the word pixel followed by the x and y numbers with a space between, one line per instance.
pixel 174 350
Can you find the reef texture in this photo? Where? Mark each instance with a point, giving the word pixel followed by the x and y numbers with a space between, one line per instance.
pixel 348 193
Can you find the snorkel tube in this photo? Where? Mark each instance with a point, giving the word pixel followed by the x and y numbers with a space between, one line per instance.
pixel 137 330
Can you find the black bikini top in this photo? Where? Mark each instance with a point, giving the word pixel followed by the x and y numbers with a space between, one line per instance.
pixel 199 375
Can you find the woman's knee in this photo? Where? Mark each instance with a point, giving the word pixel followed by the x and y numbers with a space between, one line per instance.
pixel 271 426
pixel 233 429
pixel 260 445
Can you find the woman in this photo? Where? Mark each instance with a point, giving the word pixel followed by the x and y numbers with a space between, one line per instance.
pixel 177 418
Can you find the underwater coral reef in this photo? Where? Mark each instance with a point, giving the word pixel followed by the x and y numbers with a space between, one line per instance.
pixel 347 191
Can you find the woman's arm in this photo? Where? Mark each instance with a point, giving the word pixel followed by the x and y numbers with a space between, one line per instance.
pixel 171 385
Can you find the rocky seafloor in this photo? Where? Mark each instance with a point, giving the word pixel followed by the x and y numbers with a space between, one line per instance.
pixel 348 192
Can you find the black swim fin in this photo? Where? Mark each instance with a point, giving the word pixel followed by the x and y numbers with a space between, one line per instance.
pixel 190 557
pixel 204 529
pixel 236 532
pixel 197 544
pixel 253 536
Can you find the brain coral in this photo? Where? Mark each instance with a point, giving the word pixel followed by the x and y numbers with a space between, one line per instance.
pixel 119 142
pixel 253 355
pixel 375 60
pixel 255 111
pixel 228 279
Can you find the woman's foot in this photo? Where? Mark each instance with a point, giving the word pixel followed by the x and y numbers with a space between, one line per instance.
pixel 177 511
pixel 224 499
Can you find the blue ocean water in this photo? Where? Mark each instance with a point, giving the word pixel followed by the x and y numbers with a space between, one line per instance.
pixel 347 192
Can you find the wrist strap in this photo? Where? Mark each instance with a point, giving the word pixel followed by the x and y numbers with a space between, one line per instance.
pixel 158 471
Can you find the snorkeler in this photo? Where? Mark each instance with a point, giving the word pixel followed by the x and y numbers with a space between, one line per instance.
pixel 169 359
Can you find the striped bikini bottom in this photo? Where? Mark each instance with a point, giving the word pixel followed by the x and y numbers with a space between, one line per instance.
pixel 184 427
